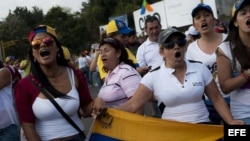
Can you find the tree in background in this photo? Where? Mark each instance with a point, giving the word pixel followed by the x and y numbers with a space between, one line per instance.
pixel 76 30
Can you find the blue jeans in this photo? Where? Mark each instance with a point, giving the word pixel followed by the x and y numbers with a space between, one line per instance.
pixel 10 133
pixel 86 72
pixel 77 138
pixel 97 82
pixel 213 114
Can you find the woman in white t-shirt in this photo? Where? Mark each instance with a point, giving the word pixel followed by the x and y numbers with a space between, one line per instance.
pixel 233 62
pixel 204 48
pixel 9 126
pixel 179 85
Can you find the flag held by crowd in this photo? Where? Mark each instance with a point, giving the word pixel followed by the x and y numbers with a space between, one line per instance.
pixel 119 125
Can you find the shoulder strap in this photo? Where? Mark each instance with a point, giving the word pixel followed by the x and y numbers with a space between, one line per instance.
pixel 17 73
pixel 58 108
pixel 11 71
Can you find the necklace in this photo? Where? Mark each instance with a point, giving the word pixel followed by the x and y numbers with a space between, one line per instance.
pixel 53 76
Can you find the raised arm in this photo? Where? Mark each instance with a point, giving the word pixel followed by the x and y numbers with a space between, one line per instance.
pixel 93 63
pixel 227 82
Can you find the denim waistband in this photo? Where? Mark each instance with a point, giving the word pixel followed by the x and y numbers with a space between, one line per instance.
pixel 8 127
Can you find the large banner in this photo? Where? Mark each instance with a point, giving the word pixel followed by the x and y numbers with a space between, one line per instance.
pixel 170 13
pixel 119 125
pixel 157 10
pixel 178 12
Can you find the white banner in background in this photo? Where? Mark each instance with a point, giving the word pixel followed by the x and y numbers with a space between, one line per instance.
pixel 158 11
pixel 171 13
pixel 178 12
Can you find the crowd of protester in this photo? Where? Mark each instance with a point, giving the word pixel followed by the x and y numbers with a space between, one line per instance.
pixel 200 76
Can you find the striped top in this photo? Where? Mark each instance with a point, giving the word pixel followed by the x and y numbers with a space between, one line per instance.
pixel 119 85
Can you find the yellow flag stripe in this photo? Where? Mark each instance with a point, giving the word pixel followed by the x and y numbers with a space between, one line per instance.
pixel 133 127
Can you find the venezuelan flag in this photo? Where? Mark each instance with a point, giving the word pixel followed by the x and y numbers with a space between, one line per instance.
pixel 145 6
pixel 119 125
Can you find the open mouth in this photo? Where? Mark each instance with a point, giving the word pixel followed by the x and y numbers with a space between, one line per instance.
pixel 177 55
pixel 103 60
pixel 203 25
pixel 248 22
pixel 44 53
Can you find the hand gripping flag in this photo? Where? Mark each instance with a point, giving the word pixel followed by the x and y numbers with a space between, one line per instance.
pixel 145 6
pixel 118 125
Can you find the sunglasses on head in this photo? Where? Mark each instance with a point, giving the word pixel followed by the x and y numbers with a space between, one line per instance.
pixel 179 42
pixel 37 42
pixel 110 40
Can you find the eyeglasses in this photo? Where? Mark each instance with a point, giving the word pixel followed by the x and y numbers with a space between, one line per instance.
pixel 37 43
pixel 179 42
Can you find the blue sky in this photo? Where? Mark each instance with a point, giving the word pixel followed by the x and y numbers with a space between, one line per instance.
pixel 7 5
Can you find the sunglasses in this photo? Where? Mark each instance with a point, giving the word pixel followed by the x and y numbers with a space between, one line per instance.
pixel 37 43
pixel 179 42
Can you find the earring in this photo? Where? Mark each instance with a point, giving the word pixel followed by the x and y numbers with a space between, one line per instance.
pixel 34 59
pixel 58 55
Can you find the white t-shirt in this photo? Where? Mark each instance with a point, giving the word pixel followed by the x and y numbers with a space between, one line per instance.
pixel 195 53
pixel 240 98
pixel 50 124
pixel 7 110
pixel 183 102
pixel 83 61
pixel 148 54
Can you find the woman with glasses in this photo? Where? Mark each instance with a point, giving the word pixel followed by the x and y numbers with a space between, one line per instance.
pixel 233 57
pixel 50 73
pixel 179 84
pixel 122 78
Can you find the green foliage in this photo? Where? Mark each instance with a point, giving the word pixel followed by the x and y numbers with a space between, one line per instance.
pixel 12 30
pixel 30 17
pixel 75 30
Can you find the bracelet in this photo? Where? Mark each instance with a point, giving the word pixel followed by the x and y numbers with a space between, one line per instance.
pixel 245 75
